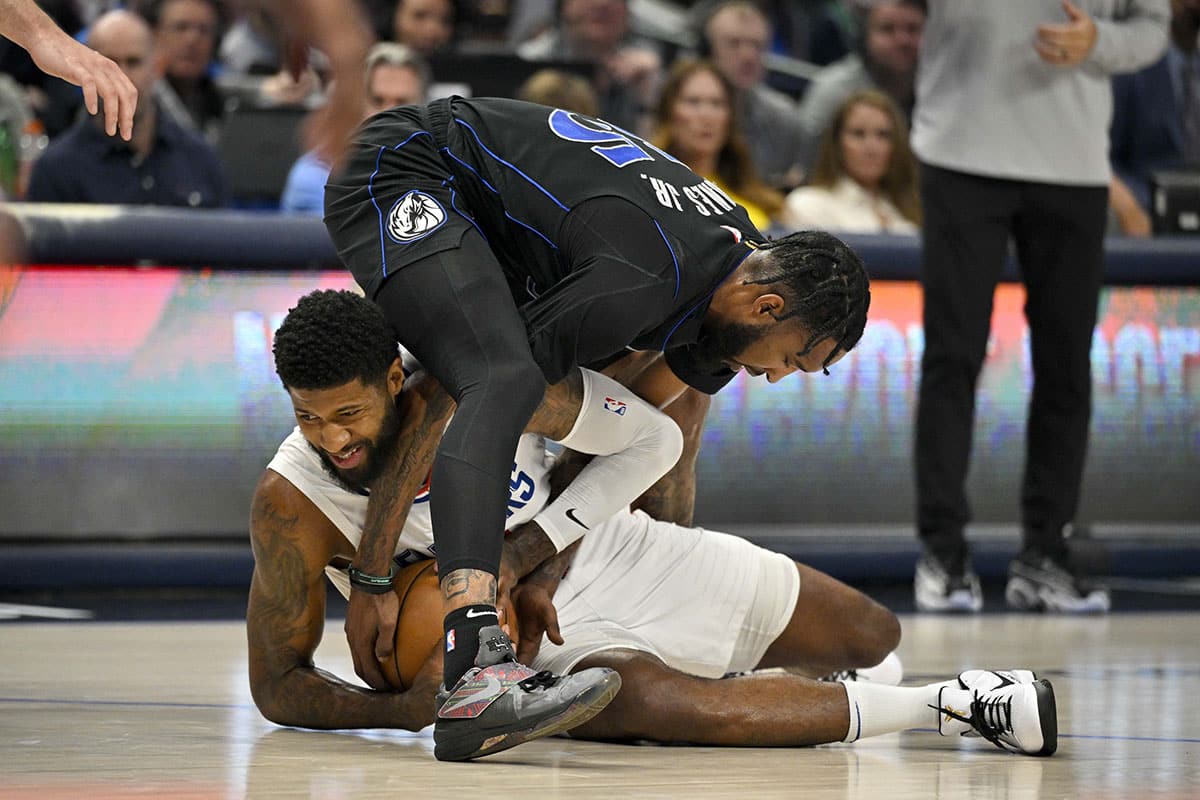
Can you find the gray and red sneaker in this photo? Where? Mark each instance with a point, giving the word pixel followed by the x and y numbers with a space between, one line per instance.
pixel 500 703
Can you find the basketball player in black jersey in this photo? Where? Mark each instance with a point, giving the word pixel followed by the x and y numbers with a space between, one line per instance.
pixel 507 243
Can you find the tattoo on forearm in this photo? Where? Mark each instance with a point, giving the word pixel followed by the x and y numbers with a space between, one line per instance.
pixel 393 491
pixel 526 548
pixel 559 409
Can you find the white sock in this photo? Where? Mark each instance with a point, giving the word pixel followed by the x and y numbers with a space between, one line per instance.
pixel 877 709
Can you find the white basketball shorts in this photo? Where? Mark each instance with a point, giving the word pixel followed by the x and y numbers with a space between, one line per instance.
pixel 705 603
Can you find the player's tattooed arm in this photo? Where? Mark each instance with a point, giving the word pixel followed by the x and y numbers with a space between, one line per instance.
pixel 560 407
pixel 292 541
pixel 425 409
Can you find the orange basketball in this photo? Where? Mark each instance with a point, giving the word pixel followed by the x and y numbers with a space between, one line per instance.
pixel 420 626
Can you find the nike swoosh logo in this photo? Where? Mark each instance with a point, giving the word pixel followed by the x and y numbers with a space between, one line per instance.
pixel 472 614
pixel 486 693
pixel 571 516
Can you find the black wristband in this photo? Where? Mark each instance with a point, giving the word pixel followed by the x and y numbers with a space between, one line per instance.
pixel 373 584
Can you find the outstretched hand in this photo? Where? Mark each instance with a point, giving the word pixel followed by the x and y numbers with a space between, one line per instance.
pixel 533 605
pixel 59 55
pixel 371 621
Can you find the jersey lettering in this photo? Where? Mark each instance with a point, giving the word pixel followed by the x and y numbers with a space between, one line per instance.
pixel 616 146
pixel 521 488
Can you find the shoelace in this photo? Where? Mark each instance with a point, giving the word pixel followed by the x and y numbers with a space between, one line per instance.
pixel 991 719
pixel 542 680
pixel 840 675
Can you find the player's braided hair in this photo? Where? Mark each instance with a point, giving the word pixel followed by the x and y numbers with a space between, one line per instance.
pixel 823 283
pixel 331 338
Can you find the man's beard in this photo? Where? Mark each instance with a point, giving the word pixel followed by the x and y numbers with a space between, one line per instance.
pixel 720 343
pixel 377 454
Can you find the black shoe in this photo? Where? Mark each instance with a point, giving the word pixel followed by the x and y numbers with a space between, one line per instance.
pixel 500 703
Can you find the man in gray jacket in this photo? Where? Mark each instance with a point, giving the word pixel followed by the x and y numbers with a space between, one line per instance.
pixel 1011 127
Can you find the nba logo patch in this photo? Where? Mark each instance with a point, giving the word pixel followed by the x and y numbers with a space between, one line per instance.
pixel 615 406
pixel 449 641
pixel 414 216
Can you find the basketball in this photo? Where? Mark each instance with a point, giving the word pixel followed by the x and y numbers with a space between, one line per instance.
pixel 420 624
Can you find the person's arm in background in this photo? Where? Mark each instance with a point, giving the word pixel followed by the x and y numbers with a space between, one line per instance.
pixel 338 28
pixel 59 55
pixel 1112 45
pixel 1131 217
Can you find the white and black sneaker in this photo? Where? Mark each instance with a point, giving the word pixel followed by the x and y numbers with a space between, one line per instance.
pixel 1012 709
pixel 1039 581
pixel 947 587
pixel 500 703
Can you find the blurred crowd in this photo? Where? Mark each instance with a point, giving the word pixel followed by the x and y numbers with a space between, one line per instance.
pixel 799 109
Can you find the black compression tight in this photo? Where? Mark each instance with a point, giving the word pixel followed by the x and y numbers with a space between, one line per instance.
pixel 454 312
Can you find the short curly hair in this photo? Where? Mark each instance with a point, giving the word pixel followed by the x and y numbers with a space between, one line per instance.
pixel 331 338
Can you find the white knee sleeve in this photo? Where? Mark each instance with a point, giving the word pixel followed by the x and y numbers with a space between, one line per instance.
pixel 635 444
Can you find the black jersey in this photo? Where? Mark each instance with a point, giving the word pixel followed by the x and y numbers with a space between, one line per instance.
pixel 607 242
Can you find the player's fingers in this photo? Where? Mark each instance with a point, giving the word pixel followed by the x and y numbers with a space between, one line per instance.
pixel 531 638
pixel 552 631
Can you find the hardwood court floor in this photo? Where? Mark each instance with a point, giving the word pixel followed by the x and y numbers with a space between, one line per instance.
pixel 157 710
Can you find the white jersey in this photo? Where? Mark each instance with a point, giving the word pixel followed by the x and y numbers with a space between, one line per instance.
pixel 705 603
pixel 529 490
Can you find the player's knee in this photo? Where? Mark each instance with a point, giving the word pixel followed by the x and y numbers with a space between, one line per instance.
pixel 879 631
pixel 513 387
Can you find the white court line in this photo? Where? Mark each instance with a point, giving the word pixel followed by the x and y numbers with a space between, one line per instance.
pixel 16 611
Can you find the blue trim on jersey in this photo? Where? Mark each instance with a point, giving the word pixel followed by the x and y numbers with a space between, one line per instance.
pixel 472 169
pixel 379 211
pixel 532 229
pixel 411 137
pixel 496 192
pixel 671 333
pixel 673 258
pixel 536 185
pixel 461 213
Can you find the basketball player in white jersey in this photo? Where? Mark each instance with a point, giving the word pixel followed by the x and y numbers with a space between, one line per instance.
pixel 671 609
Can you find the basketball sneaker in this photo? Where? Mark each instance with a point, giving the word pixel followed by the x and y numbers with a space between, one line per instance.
pixel 500 703
pixel 1012 709
pixel 941 586
pixel 889 672
pixel 1038 581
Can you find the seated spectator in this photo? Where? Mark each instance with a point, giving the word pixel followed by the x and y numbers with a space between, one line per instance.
pixel 865 179
pixel 628 70
pixel 396 76
pixel 558 89
pixel 186 34
pixel 427 26
pixel 886 60
pixel 1150 123
pixel 163 164
pixel 736 35
pixel 697 123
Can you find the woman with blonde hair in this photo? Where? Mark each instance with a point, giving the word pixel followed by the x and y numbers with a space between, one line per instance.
pixel 696 122
pixel 865 179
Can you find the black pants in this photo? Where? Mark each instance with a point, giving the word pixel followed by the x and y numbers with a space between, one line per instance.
pixel 1059 236
pixel 445 294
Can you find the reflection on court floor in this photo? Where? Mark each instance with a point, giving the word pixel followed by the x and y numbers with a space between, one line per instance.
pixel 124 710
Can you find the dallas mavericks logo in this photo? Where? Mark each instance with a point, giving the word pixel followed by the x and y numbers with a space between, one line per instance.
pixel 414 215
